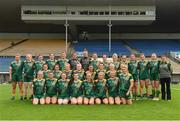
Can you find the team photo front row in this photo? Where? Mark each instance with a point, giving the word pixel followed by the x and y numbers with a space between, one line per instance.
pixel 89 80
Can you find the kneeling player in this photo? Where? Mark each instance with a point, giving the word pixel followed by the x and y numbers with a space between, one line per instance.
pixel 51 91
pixel 88 90
pixel 125 85
pixel 100 89
pixel 38 89
pixel 76 90
pixel 112 84
pixel 62 87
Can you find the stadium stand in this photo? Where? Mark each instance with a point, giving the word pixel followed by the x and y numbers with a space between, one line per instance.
pixel 101 46
pixel 8 43
pixel 158 46
pixel 4 63
pixel 35 47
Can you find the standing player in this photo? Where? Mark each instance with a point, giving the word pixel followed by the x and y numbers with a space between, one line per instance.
pixel 38 64
pixel 119 72
pixel 74 61
pixel 105 62
pixel 94 62
pixel 124 60
pixel 154 76
pixel 51 62
pixel 57 72
pixel 125 86
pixel 143 75
pixel 45 71
pixel 85 60
pixel 68 71
pixel 100 69
pixel 91 71
pixel 62 61
pixel 51 90
pixel 88 90
pixel 115 61
pixel 28 72
pixel 133 70
pixel 111 69
pixel 76 91
pixel 112 86
pixel 39 89
pixel 100 89
pixel 63 89
pixel 79 71
pixel 15 74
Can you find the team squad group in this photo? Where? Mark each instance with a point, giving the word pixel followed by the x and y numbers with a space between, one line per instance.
pixel 86 80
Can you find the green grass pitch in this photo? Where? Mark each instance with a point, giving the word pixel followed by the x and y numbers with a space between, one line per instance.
pixel 144 110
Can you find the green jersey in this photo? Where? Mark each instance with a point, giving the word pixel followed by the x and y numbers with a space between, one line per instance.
pixel 76 89
pixel 63 88
pixel 50 86
pixel 16 67
pixel 57 74
pixel 124 62
pixel 108 74
pixel 143 70
pixel 88 89
pixel 45 73
pixel 125 81
pixel 28 69
pixel 93 74
pixel 38 66
pixel 154 67
pixel 51 64
pixel 119 72
pixel 112 86
pixel 68 74
pixel 62 63
pixel 80 74
pixel 100 88
pixel 106 65
pixel 133 67
pixel 124 85
pixel 38 88
pixel 117 65
pixel 94 63
pixel 98 71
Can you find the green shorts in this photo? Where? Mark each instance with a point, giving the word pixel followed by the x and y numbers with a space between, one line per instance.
pixel 112 95
pixel 122 94
pixel 50 95
pixel 135 77
pixel 74 97
pixel 100 96
pixel 39 96
pixel 63 97
pixel 28 78
pixel 143 76
pixel 89 97
pixel 154 76
pixel 17 78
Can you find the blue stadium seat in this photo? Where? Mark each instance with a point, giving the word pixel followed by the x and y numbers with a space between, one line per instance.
pixel 158 46
pixel 5 63
pixel 101 46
